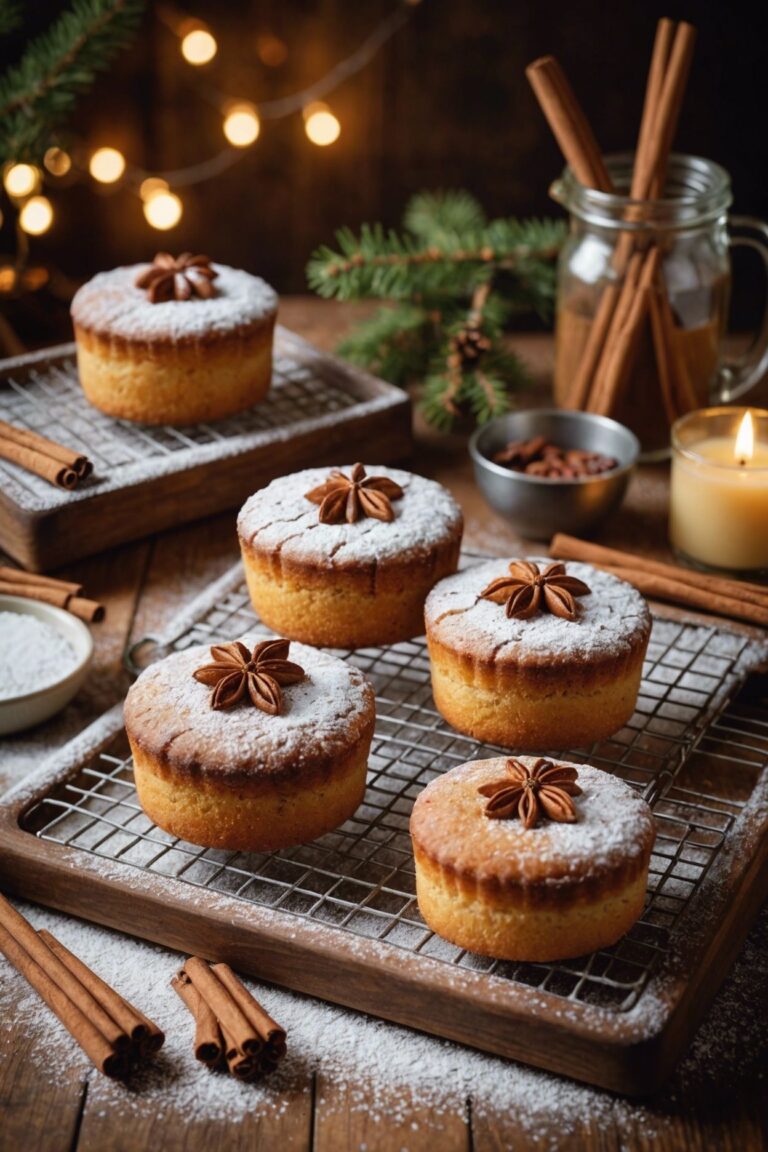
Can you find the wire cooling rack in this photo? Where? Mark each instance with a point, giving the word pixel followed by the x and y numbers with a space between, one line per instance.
pixel 360 878
pixel 47 395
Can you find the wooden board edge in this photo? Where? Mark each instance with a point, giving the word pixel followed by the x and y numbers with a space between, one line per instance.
pixel 394 988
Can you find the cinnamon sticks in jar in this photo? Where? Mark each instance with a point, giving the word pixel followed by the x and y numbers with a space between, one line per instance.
pixel 633 309
pixel 59 465
pixel 230 1025
pixel 112 1033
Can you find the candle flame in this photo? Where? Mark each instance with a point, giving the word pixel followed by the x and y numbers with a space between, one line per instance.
pixel 745 439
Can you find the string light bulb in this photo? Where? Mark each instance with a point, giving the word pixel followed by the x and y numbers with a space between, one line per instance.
pixel 198 46
pixel 21 179
pixel 163 210
pixel 106 165
pixel 241 124
pixel 151 186
pixel 57 161
pixel 320 124
pixel 36 216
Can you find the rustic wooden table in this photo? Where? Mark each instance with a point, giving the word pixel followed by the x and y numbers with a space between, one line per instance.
pixel 143 584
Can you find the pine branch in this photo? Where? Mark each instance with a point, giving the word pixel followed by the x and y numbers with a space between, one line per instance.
pixel 395 343
pixel 385 265
pixel 10 16
pixel 431 215
pixel 42 88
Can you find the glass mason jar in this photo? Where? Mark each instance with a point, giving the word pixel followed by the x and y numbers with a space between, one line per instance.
pixel 691 227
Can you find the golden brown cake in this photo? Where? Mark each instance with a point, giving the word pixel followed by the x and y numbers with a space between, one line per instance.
pixel 530 859
pixel 315 576
pixel 176 343
pixel 251 745
pixel 536 655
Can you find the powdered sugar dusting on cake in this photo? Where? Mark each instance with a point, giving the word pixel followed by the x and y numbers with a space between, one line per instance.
pixel 112 305
pixel 608 623
pixel 169 709
pixel 613 826
pixel 280 518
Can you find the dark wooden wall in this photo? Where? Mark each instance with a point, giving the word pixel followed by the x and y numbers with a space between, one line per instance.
pixel 444 104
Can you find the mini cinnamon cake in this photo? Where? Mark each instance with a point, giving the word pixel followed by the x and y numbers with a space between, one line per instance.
pixel 239 747
pixel 176 342
pixel 345 559
pixel 536 654
pixel 531 859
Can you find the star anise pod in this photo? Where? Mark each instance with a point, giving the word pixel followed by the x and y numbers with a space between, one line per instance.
pixel 545 789
pixel 526 590
pixel 236 673
pixel 177 277
pixel 353 497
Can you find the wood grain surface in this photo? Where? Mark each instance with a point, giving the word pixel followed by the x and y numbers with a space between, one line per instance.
pixel 143 584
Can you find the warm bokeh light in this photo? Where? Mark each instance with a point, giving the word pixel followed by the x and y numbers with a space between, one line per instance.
pixel 106 165
pixel 271 50
pixel 20 179
pixel 36 216
pixel 320 125
pixel 163 210
pixel 198 46
pixel 241 125
pixel 151 186
pixel 57 161
pixel 744 449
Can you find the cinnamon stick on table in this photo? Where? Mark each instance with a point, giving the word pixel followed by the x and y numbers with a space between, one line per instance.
pixel 81 1000
pixel 671 582
pixel 229 1020
pixel 88 610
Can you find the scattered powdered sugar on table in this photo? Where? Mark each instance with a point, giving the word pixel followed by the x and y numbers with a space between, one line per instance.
pixel 111 305
pixel 280 519
pixel 385 1070
pixel 170 714
pixel 613 825
pixel 33 655
pixel 609 620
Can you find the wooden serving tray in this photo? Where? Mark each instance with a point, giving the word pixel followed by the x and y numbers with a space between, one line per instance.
pixel 149 478
pixel 338 918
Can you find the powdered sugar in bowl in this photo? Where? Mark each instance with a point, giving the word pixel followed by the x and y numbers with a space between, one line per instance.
pixel 45 654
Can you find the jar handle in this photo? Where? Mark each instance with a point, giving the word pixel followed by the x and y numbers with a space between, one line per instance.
pixel 737 376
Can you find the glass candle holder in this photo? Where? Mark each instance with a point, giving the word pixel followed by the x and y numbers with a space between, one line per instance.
pixel 718 515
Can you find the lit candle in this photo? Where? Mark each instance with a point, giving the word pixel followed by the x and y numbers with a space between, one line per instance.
pixel 719 493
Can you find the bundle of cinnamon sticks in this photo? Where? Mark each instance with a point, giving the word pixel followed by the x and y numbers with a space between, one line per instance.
pixel 56 463
pixel 50 590
pixel 669 582
pixel 230 1025
pixel 113 1033
pixel 636 299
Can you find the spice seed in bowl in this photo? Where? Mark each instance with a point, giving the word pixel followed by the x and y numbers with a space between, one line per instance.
pixel 538 457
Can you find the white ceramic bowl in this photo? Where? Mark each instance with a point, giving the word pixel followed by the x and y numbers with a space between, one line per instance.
pixel 19 712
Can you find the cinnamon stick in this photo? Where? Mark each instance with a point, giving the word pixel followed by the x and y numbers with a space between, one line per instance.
pixel 142 1031
pixel 663 353
pixel 688 595
pixel 569 125
pixel 88 610
pixel 19 576
pixel 626 332
pixel 83 1017
pixel 271 1034
pixel 77 461
pixel 746 596
pixel 209 1043
pixel 45 466
pixel 230 1016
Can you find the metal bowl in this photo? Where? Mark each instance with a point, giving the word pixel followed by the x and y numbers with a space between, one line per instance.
pixel 539 507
